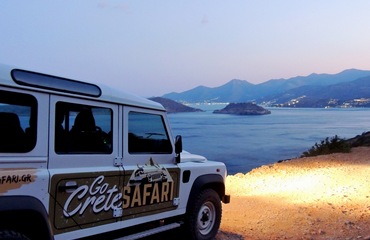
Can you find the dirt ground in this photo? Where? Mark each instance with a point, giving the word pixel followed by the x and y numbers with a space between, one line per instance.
pixel 324 197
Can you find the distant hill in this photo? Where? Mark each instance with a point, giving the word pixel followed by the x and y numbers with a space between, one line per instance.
pixel 322 96
pixel 243 91
pixel 235 90
pixel 173 106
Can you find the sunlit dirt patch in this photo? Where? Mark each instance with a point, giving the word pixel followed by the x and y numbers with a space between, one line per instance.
pixel 324 197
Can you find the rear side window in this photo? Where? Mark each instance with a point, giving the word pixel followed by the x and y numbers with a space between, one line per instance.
pixel 147 134
pixel 82 129
pixel 18 122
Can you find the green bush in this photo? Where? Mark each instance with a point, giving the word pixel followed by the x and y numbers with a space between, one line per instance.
pixel 328 146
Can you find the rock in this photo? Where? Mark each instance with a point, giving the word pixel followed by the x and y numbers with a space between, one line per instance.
pixel 243 109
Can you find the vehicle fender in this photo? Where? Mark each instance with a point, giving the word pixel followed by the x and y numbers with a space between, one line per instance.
pixel 21 208
pixel 213 181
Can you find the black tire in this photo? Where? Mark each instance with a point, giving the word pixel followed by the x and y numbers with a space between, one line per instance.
pixel 203 218
pixel 12 235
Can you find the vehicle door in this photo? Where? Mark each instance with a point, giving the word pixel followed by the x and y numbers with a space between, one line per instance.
pixel 85 181
pixel 23 143
pixel 151 182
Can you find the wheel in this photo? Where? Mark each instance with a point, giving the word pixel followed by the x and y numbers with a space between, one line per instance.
pixel 204 216
pixel 12 235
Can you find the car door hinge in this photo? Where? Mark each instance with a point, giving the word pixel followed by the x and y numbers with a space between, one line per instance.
pixel 176 202
pixel 117 212
pixel 118 161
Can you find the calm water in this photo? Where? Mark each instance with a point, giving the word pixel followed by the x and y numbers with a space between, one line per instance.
pixel 247 142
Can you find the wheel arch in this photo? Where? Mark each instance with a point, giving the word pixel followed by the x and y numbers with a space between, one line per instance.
pixel 212 181
pixel 25 214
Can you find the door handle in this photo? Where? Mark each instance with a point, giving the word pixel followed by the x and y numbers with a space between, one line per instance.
pixel 68 187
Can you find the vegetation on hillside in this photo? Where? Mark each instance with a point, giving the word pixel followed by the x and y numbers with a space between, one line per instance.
pixel 327 146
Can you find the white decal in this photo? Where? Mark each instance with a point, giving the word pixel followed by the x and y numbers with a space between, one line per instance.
pixel 101 198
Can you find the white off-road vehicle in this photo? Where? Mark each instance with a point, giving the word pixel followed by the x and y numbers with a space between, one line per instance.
pixel 80 160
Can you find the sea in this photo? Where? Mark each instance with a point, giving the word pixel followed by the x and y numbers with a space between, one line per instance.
pixel 247 142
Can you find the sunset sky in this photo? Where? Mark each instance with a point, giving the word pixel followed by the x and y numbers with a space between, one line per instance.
pixel 155 47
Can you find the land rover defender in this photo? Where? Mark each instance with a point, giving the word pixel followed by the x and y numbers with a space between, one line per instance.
pixel 79 160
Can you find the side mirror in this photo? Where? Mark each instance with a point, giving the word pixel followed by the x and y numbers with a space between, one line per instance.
pixel 178 148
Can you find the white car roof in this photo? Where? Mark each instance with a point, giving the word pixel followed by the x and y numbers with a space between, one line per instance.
pixel 9 76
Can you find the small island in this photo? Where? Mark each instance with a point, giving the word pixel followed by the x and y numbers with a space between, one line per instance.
pixel 243 109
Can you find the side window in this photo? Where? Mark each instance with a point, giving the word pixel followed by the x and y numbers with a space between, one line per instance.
pixel 18 122
pixel 147 134
pixel 82 129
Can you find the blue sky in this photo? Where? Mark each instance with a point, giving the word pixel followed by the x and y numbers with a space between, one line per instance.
pixel 155 47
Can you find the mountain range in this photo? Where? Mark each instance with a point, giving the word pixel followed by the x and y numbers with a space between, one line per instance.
pixel 314 90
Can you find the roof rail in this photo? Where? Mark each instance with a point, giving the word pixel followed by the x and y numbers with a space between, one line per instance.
pixel 39 80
